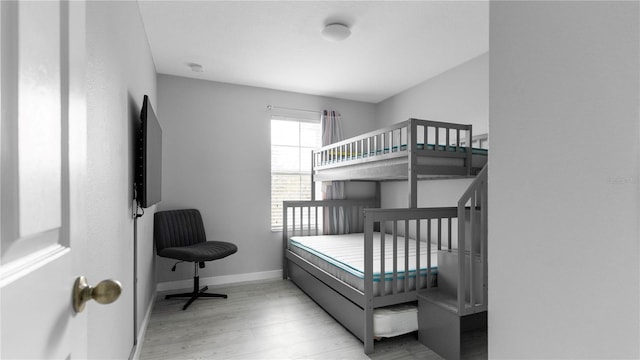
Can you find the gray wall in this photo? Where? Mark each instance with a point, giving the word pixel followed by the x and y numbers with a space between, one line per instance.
pixel 565 154
pixel 460 95
pixel 119 72
pixel 216 157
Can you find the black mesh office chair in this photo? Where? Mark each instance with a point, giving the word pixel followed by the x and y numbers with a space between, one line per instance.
pixel 179 234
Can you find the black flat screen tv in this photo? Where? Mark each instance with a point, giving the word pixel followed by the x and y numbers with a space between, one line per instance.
pixel 149 158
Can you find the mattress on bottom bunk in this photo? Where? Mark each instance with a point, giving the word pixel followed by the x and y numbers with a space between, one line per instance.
pixel 342 256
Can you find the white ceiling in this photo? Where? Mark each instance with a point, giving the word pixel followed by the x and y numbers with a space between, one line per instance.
pixel 394 45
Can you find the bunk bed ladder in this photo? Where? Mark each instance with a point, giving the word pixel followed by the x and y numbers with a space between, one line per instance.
pixel 459 303
pixel 472 242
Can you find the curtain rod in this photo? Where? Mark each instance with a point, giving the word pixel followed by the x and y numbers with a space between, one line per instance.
pixel 271 107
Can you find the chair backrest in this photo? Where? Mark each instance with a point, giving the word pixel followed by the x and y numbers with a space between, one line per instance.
pixel 173 228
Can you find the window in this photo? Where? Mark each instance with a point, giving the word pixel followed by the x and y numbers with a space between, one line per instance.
pixel 291 143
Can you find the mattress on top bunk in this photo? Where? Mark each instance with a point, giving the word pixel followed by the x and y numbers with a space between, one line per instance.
pixel 342 256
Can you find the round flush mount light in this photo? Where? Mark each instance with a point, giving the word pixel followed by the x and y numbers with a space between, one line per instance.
pixel 195 67
pixel 336 32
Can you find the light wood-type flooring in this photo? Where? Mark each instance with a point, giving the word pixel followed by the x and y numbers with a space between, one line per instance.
pixel 270 319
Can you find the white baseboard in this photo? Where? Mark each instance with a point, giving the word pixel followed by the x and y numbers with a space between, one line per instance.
pixel 219 280
pixel 143 329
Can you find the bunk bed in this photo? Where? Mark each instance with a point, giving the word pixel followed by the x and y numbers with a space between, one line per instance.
pixel 385 256
pixel 411 150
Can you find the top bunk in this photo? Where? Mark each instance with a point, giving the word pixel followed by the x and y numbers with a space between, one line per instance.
pixel 412 149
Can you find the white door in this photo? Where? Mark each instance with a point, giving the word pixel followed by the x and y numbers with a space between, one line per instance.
pixel 42 178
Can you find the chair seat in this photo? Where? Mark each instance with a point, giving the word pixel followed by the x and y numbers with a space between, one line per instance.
pixel 205 251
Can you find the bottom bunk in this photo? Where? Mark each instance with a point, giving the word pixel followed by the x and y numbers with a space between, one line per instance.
pixel 388 321
pixel 368 278
pixel 342 256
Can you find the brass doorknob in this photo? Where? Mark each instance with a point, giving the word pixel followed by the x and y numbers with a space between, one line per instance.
pixel 106 292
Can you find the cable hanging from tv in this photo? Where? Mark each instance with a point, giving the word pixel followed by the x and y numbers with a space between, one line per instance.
pixel 138 208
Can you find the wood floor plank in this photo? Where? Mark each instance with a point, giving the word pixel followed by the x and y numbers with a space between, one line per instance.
pixel 271 319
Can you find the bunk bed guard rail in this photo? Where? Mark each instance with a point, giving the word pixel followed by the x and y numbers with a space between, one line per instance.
pixel 435 228
pixel 309 217
pixel 412 135
pixel 472 227
pixel 432 227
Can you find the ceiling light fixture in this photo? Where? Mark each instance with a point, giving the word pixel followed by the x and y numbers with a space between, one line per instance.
pixel 336 32
pixel 195 67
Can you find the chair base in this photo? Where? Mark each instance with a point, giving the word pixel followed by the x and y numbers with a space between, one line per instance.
pixel 196 293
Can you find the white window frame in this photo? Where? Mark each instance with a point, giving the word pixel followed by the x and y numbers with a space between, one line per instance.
pixel 275 226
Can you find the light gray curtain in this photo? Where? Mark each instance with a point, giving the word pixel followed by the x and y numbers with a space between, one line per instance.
pixel 335 221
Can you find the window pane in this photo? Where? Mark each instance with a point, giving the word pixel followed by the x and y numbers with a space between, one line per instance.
pixel 284 132
pixel 291 145
pixel 287 187
pixel 305 159
pixel 285 158
pixel 310 135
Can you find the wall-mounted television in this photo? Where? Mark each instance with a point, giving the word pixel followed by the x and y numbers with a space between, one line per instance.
pixel 149 158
